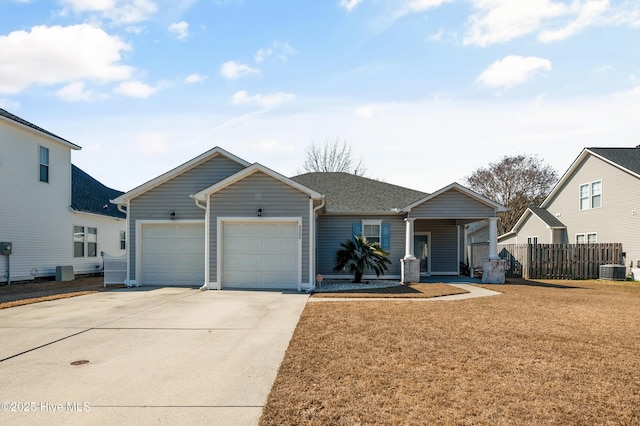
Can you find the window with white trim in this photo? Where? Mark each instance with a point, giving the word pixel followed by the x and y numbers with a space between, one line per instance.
pixel 532 240
pixel 123 240
pixel 587 238
pixel 371 230
pixel 591 195
pixel 44 164
pixel 85 241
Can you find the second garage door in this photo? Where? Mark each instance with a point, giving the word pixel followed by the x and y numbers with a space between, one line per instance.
pixel 260 255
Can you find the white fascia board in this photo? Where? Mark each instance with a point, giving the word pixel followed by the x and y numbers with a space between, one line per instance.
pixel 565 177
pixel 51 137
pixel 572 169
pixel 456 186
pixel 177 171
pixel 254 168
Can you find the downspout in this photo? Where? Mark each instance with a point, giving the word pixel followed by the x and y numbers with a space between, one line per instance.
pixel 314 232
pixel 205 286
pixel 127 281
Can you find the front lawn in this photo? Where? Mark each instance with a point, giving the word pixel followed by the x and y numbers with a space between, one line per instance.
pixel 541 353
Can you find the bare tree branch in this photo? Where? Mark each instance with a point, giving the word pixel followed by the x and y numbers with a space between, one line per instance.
pixel 332 157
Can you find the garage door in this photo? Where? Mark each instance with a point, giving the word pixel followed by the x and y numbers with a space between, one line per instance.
pixel 260 255
pixel 173 254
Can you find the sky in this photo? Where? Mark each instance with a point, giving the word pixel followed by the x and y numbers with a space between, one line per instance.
pixel 424 91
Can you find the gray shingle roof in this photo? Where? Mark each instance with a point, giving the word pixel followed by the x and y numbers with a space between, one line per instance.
pixel 24 122
pixel 347 193
pixel 90 196
pixel 547 217
pixel 629 158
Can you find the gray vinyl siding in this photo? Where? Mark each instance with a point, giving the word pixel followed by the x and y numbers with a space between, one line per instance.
pixel 444 250
pixel 173 196
pixel 333 230
pixel 453 204
pixel 243 198
pixel 614 222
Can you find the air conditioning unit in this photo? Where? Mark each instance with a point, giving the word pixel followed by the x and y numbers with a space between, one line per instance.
pixel 613 272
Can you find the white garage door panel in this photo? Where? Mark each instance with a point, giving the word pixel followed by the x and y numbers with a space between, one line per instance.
pixel 261 255
pixel 173 254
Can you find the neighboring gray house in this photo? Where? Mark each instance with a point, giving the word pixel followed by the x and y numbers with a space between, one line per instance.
pixel 53 213
pixel 219 221
pixel 596 201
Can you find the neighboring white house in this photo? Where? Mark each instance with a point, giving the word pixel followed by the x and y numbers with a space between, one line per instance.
pixel 53 213
pixel 596 201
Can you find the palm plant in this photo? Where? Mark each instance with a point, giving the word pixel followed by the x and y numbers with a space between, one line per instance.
pixel 358 254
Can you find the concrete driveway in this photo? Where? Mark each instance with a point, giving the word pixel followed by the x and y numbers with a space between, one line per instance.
pixel 155 355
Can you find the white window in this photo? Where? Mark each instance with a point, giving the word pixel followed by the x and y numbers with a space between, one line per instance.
pixel 591 195
pixel 82 239
pixel 580 239
pixel 92 242
pixel 532 240
pixel 123 240
pixel 596 194
pixel 44 164
pixel 78 241
pixel 592 238
pixel 371 230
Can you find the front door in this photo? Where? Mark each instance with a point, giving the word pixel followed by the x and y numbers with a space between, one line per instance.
pixel 422 249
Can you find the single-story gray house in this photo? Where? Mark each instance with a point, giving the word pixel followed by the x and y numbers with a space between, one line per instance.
pixel 218 221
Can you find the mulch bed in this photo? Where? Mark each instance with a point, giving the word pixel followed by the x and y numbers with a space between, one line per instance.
pixel 413 290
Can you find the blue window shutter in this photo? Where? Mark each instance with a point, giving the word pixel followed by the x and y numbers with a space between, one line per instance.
pixel 356 229
pixel 385 240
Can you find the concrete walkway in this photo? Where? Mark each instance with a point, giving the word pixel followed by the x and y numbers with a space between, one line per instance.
pixel 473 292
pixel 148 355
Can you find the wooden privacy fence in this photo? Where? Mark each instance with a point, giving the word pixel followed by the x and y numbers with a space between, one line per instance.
pixel 558 261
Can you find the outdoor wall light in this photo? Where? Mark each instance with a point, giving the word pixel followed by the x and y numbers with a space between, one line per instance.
pixel 173 215
pixel 260 212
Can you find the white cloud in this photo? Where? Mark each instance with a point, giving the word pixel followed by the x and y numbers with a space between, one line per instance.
pixel 507 72
pixel 76 92
pixel 53 55
pixel 498 21
pixel 264 101
pixel 234 70
pixel 350 4
pixel 370 110
pixel 587 14
pixel 135 89
pixel 279 49
pixel 117 11
pixel 261 55
pixel 180 30
pixel 195 78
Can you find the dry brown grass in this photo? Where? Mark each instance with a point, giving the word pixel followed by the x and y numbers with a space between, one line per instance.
pixel 540 353
pixel 412 290
pixel 42 291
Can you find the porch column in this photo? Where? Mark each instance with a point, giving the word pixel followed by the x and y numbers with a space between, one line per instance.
pixel 493 238
pixel 408 242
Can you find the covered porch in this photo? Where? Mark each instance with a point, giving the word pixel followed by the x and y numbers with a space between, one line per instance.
pixel 435 236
